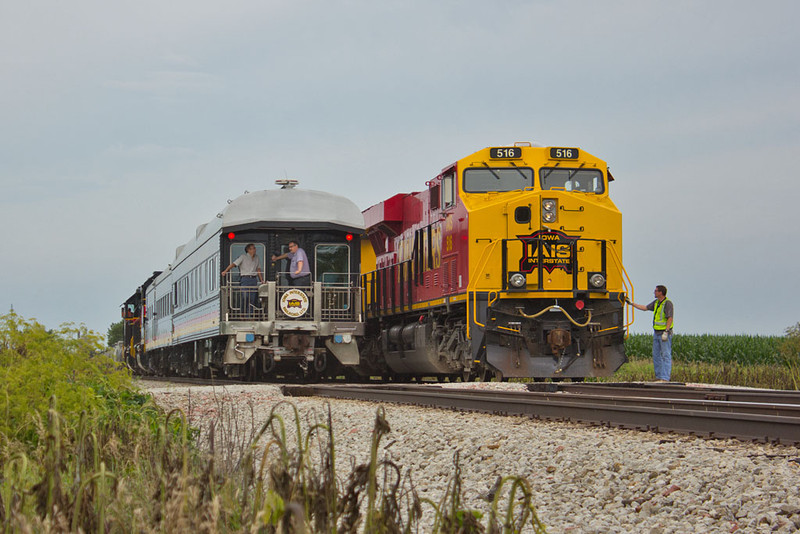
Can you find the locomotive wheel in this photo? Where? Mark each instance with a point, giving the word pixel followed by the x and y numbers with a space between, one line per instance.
pixel 250 374
pixel 488 375
pixel 320 362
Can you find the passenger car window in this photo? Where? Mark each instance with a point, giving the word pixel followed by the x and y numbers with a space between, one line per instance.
pixel 332 263
pixel 237 249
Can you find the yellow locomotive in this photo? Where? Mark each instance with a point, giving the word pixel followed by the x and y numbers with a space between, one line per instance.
pixel 508 264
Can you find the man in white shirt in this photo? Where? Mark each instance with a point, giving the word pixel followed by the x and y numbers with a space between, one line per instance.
pixel 250 275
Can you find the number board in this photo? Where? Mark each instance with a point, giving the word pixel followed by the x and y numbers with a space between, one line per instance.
pixel 564 153
pixel 505 152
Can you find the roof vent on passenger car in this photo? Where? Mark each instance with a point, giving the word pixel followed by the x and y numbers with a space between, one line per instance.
pixel 287 184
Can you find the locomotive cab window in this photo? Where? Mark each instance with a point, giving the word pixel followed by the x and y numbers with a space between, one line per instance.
pixel 435 193
pixel 448 190
pixel 484 180
pixel 584 180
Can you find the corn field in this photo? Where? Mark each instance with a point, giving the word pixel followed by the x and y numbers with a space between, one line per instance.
pixel 707 348
pixel 755 361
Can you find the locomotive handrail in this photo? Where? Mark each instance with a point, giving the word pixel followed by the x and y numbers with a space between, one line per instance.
pixel 486 254
pixel 626 283
pixel 473 282
pixel 388 288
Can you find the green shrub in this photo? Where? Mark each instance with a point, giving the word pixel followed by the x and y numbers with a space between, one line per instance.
pixel 68 364
pixel 81 451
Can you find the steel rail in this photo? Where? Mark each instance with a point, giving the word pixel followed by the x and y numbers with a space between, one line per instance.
pixel 675 390
pixel 743 421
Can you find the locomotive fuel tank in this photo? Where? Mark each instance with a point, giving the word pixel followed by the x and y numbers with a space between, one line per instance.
pixel 412 349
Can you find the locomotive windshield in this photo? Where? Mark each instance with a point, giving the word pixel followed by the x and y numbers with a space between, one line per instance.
pixel 585 180
pixel 497 179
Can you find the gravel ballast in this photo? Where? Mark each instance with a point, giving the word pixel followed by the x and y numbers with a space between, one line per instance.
pixel 584 478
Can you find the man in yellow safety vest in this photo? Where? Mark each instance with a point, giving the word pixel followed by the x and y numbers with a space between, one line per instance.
pixel 662 332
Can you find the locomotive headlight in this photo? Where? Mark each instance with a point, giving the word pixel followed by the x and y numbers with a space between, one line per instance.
pixel 597 280
pixel 517 280
pixel 549 208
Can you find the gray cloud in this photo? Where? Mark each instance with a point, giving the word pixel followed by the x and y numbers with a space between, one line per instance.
pixel 127 125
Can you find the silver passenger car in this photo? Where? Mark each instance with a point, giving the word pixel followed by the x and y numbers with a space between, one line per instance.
pixel 194 321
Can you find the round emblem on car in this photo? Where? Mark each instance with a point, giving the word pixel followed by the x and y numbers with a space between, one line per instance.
pixel 294 303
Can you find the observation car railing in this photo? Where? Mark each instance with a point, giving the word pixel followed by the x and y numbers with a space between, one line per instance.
pixel 336 297
pixel 241 302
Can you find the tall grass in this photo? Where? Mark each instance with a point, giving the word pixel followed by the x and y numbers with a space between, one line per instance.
pixel 109 460
pixel 162 483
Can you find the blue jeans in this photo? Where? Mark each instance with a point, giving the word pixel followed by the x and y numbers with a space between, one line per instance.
pixel 304 280
pixel 249 285
pixel 662 356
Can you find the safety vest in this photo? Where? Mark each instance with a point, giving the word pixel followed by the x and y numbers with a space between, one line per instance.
pixel 659 319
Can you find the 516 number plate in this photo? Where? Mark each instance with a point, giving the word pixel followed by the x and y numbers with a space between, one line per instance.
pixel 505 152
pixel 564 153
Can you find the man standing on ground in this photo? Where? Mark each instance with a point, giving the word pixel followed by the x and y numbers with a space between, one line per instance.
pixel 662 332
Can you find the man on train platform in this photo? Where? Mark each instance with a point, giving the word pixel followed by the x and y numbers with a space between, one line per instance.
pixel 662 332
pixel 250 276
pixel 299 272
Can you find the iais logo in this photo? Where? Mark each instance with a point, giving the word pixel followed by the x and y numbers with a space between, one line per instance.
pixel 556 251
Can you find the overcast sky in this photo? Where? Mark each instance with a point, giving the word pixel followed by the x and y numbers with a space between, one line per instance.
pixel 125 125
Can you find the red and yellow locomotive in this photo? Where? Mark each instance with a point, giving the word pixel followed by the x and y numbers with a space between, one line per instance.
pixel 509 264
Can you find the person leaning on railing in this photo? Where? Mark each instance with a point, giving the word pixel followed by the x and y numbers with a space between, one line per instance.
pixel 249 273
pixel 299 273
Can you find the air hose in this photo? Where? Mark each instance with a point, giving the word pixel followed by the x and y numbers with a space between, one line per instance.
pixel 556 307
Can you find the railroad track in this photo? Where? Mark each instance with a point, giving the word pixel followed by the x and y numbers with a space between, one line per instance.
pixel 672 390
pixel 192 381
pixel 751 415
